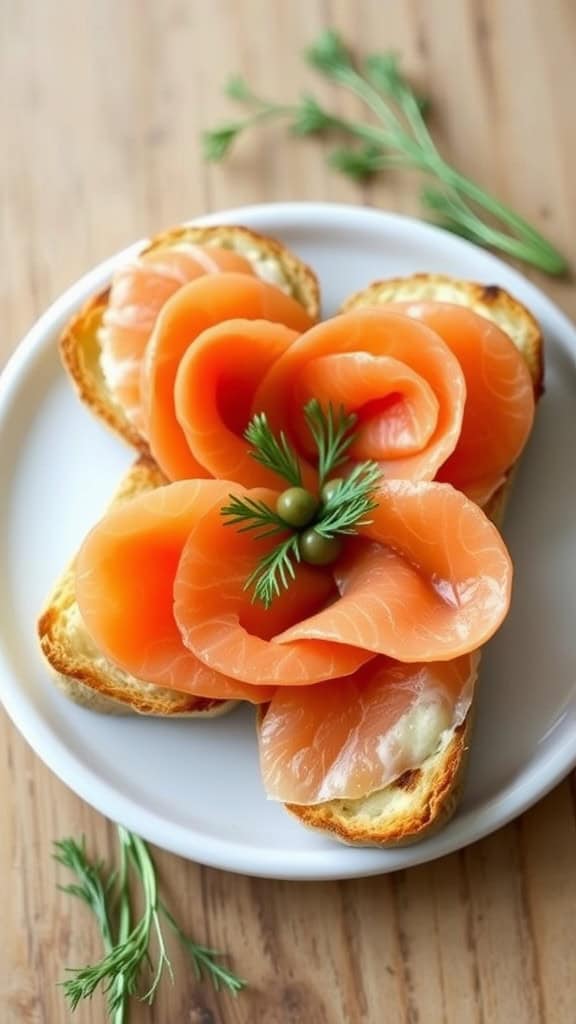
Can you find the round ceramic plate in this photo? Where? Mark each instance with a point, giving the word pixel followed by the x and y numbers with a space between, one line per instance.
pixel 193 787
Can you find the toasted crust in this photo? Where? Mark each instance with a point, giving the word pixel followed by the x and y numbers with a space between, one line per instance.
pixel 81 671
pixel 79 343
pixel 80 355
pixel 423 800
pixel 299 278
pixel 417 804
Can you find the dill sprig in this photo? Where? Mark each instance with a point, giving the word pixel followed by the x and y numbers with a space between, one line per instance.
pixel 97 889
pixel 126 958
pixel 94 884
pixel 204 959
pixel 249 514
pixel 352 500
pixel 397 138
pixel 332 435
pixel 273 452
pixel 341 513
pixel 274 571
pixel 127 946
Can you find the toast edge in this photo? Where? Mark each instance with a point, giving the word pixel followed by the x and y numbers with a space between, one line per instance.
pixel 417 804
pixel 80 354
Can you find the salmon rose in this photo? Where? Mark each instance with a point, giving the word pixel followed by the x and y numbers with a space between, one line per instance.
pixel 392 625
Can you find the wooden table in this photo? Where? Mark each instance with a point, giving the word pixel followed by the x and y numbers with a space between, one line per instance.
pixel 103 103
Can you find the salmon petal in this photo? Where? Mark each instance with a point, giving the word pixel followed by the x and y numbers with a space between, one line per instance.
pixel 397 375
pixel 139 290
pixel 500 402
pixel 221 625
pixel 191 310
pixel 351 737
pixel 428 580
pixel 215 387
pixel 125 574
pixel 397 409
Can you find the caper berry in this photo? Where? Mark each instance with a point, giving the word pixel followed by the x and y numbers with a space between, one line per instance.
pixel 318 550
pixel 330 488
pixel 297 506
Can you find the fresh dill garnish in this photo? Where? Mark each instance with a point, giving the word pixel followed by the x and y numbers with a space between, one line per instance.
pixel 312 523
pixel 204 959
pixel 274 571
pixel 332 436
pixel 273 452
pixel 127 946
pixel 398 138
pixel 351 502
pixel 248 514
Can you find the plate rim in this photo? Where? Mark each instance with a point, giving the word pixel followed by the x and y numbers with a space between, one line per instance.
pixel 336 862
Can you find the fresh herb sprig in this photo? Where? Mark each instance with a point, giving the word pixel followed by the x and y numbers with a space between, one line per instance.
pixel 127 946
pixel 311 527
pixel 95 887
pixel 273 452
pixel 248 514
pixel 398 138
pixel 332 433
pixel 275 571
pixel 350 502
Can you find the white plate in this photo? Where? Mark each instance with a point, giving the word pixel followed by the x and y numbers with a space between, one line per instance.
pixel 193 787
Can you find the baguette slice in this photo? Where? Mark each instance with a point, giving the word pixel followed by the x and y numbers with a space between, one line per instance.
pixel 82 672
pixel 422 800
pixel 79 343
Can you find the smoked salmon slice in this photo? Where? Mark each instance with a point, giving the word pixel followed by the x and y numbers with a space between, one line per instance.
pixel 125 574
pixel 138 292
pixel 192 310
pixel 500 403
pixel 221 625
pixel 215 387
pixel 428 580
pixel 396 374
pixel 348 739
pixel 160 583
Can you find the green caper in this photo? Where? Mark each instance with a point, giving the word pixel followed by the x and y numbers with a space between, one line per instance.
pixel 318 550
pixel 297 506
pixel 330 488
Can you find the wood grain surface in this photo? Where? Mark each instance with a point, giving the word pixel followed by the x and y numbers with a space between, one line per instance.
pixel 102 102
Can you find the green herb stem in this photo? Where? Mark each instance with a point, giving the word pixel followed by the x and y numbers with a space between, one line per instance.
pixel 401 140
pixel 275 453
pixel 217 143
pixel 332 433
pixel 534 247
pixel 274 571
pixel 124 926
pixel 95 889
pixel 126 945
pixel 204 959
pixel 249 514
pixel 351 502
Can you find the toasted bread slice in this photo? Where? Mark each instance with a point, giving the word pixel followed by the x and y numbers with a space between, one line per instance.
pixel 81 671
pixel 79 343
pixel 422 800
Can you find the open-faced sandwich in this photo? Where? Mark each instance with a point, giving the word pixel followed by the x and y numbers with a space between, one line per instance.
pixel 311 524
